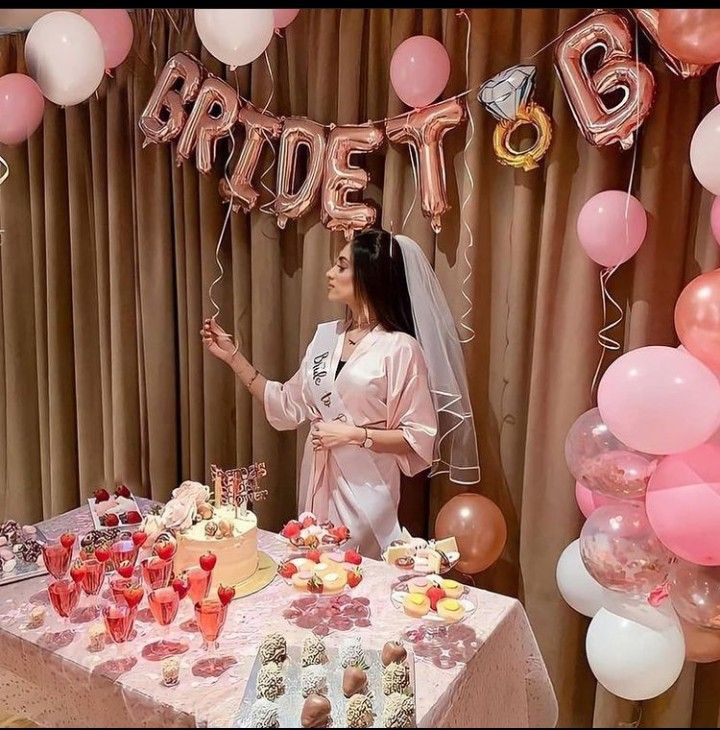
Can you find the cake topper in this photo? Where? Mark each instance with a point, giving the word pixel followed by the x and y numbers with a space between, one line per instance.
pixel 236 486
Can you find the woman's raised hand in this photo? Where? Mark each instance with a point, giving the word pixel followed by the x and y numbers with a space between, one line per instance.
pixel 217 341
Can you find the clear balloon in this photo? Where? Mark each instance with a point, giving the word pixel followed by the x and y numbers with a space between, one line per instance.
pixel 635 658
pixel 697 318
pixel 419 70
pixel 705 151
pixel 177 85
pixel 341 179
pixel 212 117
pixel 478 526
pixel 235 37
pixel 619 71
pixel 701 645
pixel 611 227
pixel 660 400
pixel 577 587
pixel 695 593
pixel 424 130
pixel 21 108
pixel 65 56
pixel 621 551
pixel 683 504
pixel 115 29
pixel 588 500
pixel 691 34
pixel 602 463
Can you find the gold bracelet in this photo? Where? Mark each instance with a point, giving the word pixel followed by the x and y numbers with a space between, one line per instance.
pixel 252 380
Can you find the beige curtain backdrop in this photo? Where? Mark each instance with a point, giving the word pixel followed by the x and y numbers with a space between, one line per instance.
pixel 108 250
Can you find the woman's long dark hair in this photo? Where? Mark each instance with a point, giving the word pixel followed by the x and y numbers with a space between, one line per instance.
pixel 379 279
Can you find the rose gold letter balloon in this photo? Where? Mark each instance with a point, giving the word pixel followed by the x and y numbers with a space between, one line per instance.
pixel 424 129
pixel 298 131
pixel 259 128
pixel 618 71
pixel 649 19
pixel 164 115
pixel 342 178
pixel 211 119
pixel 479 528
pixel 697 318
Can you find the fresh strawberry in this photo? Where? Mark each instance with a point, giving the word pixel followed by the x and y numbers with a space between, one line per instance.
pixel 139 537
pixel 164 549
pixel 435 594
pixel 133 595
pixel 340 533
pixel 313 555
pixel 353 557
pixel 67 540
pixel 133 518
pixel 292 529
pixel 111 520
pixel 122 491
pixel 287 570
pixel 102 553
pixel 77 572
pixel 181 587
pixel 101 495
pixel 225 594
pixel 315 585
pixel 207 561
pixel 354 577
pixel 126 569
pixel 309 522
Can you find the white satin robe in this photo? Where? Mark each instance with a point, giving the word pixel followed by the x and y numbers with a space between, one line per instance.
pixel 383 385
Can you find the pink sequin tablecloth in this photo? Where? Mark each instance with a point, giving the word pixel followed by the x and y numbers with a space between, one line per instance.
pixel 492 675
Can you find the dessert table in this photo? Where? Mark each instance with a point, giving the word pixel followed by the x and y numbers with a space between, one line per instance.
pixel 488 673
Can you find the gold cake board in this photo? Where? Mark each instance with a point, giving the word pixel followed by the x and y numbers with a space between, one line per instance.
pixel 261 578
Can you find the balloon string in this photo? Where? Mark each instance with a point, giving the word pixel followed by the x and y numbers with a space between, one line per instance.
pixel 463 217
pixel 169 16
pixel 604 339
pixel 414 164
pixel 272 82
pixel 152 41
pixel 267 207
pixel 3 177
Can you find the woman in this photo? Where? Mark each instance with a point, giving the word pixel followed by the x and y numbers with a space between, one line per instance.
pixel 385 389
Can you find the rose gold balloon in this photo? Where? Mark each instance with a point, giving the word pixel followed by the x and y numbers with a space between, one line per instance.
pixel 691 34
pixel 649 19
pixel 701 645
pixel 290 203
pixel 342 178
pixel 697 318
pixel 479 528
pixel 164 115
pixel 619 70
pixel 424 129
pixel 212 117
pixel 260 127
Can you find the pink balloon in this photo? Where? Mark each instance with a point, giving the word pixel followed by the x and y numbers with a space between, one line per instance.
pixel 21 108
pixel 683 504
pixel 419 70
pixel 588 501
pixel 284 17
pixel 660 400
pixel 115 30
pixel 715 219
pixel 717 84
pixel 611 227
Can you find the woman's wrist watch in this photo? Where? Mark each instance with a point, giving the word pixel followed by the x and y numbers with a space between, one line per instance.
pixel 367 441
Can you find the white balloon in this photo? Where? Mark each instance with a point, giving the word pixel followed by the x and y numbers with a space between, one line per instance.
pixel 579 589
pixel 235 37
pixel 705 151
pixel 638 655
pixel 65 56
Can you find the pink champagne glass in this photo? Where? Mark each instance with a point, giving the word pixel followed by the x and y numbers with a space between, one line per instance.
pixel 119 620
pixel 57 559
pixel 123 550
pixel 92 581
pixel 210 615
pixel 198 583
pixel 164 603
pixel 156 572
pixel 64 595
pixel 118 586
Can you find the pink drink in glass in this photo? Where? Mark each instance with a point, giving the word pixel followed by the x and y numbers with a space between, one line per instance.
pixel 156 572
pixel 198 584
pixel 64 596
pixel 57 559
pixel 123 550
pixel 117 586
pixel 94 576
pixel 164 604
pixel 119 621
pixel 210 615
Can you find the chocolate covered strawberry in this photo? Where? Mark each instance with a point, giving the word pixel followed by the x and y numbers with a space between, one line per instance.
pixel 110 519
pixel 132 518
pixel 101 495
pixel 122 491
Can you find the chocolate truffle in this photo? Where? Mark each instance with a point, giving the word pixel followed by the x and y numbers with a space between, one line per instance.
pixel 354 681
pixel 393 651
pixel 316 712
